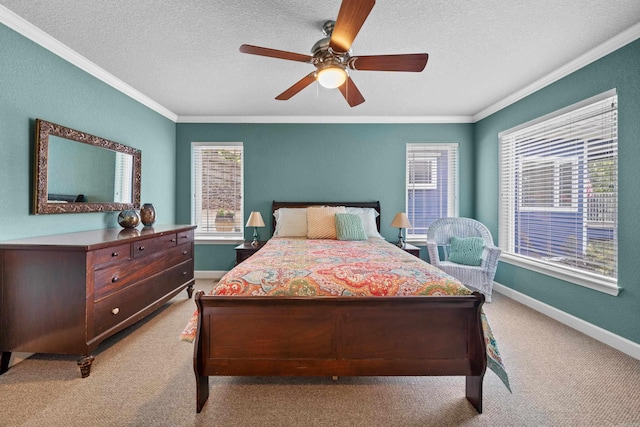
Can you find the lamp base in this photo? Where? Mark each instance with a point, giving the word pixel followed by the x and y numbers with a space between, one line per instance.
pixel 400 243
pixel 255 237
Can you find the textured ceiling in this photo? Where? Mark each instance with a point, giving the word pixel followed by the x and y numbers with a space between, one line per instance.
pixel 184 54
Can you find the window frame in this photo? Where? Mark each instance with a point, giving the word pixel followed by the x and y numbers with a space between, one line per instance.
pixel 213 237
pixel 509 184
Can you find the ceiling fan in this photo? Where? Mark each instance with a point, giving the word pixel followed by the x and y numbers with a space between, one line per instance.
pixel 332 55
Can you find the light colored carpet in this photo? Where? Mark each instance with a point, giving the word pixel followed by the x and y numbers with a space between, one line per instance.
pixel 144 377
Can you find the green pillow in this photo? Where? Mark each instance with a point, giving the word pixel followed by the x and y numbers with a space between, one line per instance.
pixel 350 227
pixel 466 250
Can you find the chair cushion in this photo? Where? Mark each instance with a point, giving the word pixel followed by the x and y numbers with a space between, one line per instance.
pixel 466 250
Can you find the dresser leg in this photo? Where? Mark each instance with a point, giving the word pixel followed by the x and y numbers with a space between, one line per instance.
pixel 4 362
pixel 190 291
pixel 85 365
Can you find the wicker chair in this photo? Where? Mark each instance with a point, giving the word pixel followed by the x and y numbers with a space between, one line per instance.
pixel 478 278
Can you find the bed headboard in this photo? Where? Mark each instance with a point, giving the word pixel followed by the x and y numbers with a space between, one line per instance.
pixel 277 205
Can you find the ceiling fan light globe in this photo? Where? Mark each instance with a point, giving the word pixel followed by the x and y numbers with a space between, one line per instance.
pixel 332 77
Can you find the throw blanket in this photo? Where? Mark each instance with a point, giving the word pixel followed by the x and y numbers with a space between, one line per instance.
pixel 302 267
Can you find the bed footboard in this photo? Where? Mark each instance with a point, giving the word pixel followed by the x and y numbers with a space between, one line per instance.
pixel 340 336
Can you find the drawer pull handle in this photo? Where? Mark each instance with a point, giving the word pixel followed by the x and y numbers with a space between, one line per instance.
pixel 184 252
pixel 115 310
pixel 115 254
pixel 184 273
pixel 141 248
pixel 115 279
pixel 173 240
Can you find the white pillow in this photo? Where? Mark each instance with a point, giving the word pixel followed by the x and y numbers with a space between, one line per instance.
pixel 368 216
pixel 291 222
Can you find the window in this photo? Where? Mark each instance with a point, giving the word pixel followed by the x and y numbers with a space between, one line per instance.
pixel 432 185
pixel 559 194
pixel 548 183
pixel 217 188
pixel 123 185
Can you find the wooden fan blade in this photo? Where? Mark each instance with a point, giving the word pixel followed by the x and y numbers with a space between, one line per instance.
pixel 274 53
pixel 411 62
pixel 351 16
pixel 297 87
pixel 351 93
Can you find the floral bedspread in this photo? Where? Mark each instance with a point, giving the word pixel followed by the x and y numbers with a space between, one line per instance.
pixel 303 267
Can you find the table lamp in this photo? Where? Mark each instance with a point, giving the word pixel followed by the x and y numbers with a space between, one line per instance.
pixel 255 221
pixel 400 221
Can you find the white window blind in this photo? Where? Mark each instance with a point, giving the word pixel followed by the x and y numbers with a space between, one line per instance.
pixel 559 193
pixel 217 186
pixel 431 185
pixel 123 185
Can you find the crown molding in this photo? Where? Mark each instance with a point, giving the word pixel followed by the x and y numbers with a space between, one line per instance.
pixel 38 36
pixel 325 119
pixel 629 35
pixel 33 33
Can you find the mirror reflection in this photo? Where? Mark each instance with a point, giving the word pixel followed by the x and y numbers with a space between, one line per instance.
pixel 98 175
pixel 79 172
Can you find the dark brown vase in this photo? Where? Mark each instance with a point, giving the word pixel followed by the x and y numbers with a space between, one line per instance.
pixel 148 214
pixel 128 219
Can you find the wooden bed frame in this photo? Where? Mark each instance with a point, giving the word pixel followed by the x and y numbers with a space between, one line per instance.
pixel 339 336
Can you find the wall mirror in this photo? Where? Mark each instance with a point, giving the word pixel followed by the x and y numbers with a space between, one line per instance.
pixel 79 172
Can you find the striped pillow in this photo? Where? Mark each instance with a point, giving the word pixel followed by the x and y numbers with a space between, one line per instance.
pixel 321 221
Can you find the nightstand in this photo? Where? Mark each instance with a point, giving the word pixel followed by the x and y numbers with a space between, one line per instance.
pixel 413 250
pixel 245 250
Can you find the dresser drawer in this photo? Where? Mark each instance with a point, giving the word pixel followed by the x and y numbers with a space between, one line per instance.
pixel 122 275
pixel 120 306
pixel 111 255
pixel 154 245
pixel 185 236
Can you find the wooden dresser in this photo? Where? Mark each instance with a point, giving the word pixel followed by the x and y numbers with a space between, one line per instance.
pixel 66 293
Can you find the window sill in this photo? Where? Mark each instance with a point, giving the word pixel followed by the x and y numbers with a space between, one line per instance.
pixel 591 281
pixel 417 241
pixel 218 240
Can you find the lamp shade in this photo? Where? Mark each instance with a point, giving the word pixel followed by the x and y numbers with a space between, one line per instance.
pixel 401 221
pixel 255 220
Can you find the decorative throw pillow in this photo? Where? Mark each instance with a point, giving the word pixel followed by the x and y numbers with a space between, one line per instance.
pixel 349 227
pixel 466 250
pixel 321 221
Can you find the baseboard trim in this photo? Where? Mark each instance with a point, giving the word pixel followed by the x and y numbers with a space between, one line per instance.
pixel 616 341
pixel 209 274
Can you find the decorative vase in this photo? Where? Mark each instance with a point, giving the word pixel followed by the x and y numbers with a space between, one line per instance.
pixel 148 214
pixel 128 218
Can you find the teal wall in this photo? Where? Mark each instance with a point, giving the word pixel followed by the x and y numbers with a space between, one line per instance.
pixel 621 69
pixel 35 83
pixel 323 162
pixel 309 162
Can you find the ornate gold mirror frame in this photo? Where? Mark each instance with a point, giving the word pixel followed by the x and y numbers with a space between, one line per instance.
pixel 42 202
